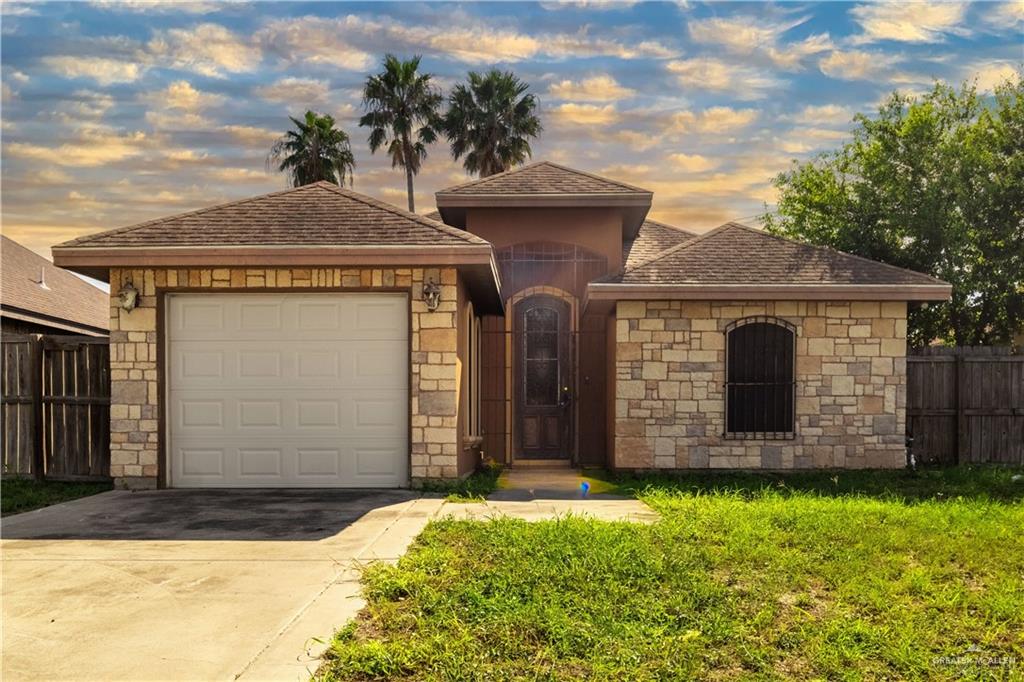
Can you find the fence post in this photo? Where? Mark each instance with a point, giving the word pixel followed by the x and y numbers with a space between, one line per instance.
pixel 36 383
pixel 961 416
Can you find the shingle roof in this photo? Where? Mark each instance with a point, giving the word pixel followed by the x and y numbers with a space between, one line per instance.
pixel 737 254
pixel 652 239
pixel 543 177
pixel 318 214
pixel 64 296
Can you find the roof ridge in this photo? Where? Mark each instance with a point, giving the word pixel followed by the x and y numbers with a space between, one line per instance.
pixel 198 211
pixel 401 212
pixel 473 183
pixel 865 259
pixel 671 227
pixel 678 247
pixel 543 162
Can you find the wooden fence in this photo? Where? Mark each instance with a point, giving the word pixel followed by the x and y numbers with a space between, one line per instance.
pixel 55 412
pixel 966 405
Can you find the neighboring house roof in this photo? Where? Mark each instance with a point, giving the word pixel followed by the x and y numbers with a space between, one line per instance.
pixel 739 261
pixel 652 239
pixel 317 214
pixel 319 225
pixel 434 215
pixel 33 289
pixel 543 177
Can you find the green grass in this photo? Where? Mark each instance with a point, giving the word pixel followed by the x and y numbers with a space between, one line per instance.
pixel 473 488
pixel 853 575
pixel 21 495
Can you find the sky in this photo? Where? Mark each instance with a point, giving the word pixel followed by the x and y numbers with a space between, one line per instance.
pixel 118 112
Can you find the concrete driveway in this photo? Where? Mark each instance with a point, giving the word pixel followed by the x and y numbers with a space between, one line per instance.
pixel 191 585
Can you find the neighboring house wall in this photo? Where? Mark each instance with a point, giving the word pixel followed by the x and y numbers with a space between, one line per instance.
pixel 850 386
pixel 136 400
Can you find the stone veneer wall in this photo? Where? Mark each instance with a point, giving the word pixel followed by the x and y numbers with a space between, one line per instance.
pixel 135 398
pixel 850 392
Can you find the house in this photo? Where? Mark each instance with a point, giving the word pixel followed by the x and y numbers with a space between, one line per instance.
pixel 318 337
pixel 37 297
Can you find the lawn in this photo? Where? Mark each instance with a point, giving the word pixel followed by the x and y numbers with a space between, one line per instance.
pixel 21 495
pixel 854 575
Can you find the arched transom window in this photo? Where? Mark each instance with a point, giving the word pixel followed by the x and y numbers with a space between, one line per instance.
pixel 760 387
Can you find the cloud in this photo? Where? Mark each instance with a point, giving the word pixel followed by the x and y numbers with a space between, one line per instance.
pixel 240 175
pixel 158 6
pixel 746 36
pixel 636 140
pixel 823 114
pixel 103 70
pixel 692 163
pixel 909 22
pixel 91 146
pixel 856 64
pixel 715 75
pixel 298 92
pixel 1005 15
pixel 714 120
pixel 987 75
pixel 178 121
pixel 349 42
pixel 206 49
pixel 252 136
pixel 183 96
pixel 319 40
pixel 602 88
pixel 587 114
pixel 85 104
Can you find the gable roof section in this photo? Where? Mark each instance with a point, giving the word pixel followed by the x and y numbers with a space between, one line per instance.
pixel 318 214
pixel 652 239
pixel 543 178
pixel 736 261
pixel 316 225
pixel 65 302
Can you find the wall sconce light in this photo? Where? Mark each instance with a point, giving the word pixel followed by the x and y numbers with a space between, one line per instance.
pixel 129 297
pixel 431 295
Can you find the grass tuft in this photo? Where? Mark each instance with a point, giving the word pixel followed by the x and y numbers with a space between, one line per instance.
pixel 19 495
pixel 879 575
pixel 474 488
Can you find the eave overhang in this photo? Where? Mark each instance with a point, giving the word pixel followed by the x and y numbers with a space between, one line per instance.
pixel 602 295
pixel 51 321
pixel 475 261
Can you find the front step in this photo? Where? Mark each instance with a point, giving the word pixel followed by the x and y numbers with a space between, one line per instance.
pixel 541 464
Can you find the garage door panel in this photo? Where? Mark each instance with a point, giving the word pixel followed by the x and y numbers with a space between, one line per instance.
pixel 277 463
pixel 220 412
pixel 279 316
pixel 302 363
pixel 304 390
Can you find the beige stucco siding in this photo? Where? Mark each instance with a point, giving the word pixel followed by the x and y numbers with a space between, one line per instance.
pixel 136 401
pixel 670 374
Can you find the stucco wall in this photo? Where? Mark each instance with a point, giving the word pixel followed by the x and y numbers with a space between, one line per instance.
pixel 670 374
pixel 134 372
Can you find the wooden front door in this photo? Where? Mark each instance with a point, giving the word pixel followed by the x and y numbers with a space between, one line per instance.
pixel 543 378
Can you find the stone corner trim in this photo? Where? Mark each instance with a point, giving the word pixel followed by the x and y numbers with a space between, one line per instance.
pixel 670 376
pixel 136 402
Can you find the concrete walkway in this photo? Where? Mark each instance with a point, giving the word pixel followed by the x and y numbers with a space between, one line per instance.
pixel 192 585
pixel 221 585
pixel 536 494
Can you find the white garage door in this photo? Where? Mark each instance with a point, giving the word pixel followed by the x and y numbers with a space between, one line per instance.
pixel 288 390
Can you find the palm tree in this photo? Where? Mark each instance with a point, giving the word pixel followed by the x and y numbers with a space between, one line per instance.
pixel 490 121
pixel 402 114
pixel 315 150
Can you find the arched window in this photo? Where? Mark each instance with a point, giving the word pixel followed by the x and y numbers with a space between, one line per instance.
pixel 760 386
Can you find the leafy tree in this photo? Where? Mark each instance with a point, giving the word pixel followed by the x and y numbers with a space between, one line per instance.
pixel 934 184
pixel 315 150
pixel 402 113
pixel 490 121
